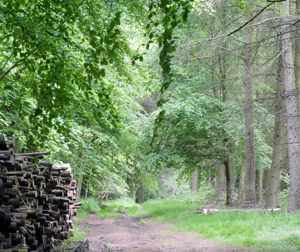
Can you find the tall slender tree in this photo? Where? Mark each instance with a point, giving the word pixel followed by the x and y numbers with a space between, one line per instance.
pixel 273 176
pixel 291 111
pixel 249 119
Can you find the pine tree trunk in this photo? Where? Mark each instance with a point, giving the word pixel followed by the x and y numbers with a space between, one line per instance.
pixel 272 183
pixel 291 112
pixel 249 120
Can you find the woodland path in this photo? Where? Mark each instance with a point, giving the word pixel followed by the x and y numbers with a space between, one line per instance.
pixel 128 234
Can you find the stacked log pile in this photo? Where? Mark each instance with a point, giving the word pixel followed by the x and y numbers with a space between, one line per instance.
pixel 37 201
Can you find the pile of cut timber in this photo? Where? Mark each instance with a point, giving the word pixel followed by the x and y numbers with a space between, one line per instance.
pixel 213 210
pixel 37 201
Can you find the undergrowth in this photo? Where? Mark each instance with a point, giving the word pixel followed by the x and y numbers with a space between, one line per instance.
pixel 78 234
pixel 104 209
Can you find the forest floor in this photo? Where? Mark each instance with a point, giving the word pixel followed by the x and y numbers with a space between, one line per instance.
pixel 138 235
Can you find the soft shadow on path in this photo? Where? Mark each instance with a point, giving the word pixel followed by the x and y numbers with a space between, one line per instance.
pixel 128 234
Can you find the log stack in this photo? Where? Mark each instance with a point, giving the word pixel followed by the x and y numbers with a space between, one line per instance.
pixel 37 201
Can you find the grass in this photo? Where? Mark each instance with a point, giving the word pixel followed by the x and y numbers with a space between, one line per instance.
pixel 79 234
pixel 110 210
pixel 88 205
pixel 264 231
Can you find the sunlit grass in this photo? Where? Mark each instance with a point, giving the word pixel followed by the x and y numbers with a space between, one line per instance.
pixel 104 209
pixel 264 231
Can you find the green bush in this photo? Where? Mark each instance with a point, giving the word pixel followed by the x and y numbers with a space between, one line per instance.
pixel 88 205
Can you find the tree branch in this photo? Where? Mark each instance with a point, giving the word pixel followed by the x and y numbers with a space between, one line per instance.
pixel 249 21
pixel 16 64
pixel 7 61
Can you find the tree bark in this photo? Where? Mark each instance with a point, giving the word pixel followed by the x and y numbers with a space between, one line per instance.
pixel 249 120
pixel 265 178
pixel 219 187
pixel 273 179
pixel 291 112
pixel 228 181
pixel 195 186
pixel 242 183
pixel 135 188
pixel 297 52
pixel 208 180
pixel 79 184
pixel 259 185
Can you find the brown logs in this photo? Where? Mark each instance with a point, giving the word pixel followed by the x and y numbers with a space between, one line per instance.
pixel 37 201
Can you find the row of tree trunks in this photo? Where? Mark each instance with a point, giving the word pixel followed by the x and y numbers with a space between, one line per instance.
pixel 37 202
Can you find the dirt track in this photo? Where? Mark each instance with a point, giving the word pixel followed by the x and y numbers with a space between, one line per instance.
pixel 128 234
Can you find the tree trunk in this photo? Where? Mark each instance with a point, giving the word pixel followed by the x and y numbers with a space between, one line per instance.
pixel 80 177
pixel 228 182
pixel 88 184
pixel 259 185
pixel 219 187
pixel 291 112
pixel 249 120
pixel 231 164
pixel 297 52
pixel 16 148
pixel 135 188
pixel 242 183
pixel 208 181
pixel 265 179
pixel 195 187
pixel 272 182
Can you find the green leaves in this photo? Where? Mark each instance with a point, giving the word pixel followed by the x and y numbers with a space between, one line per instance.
pixel 171 14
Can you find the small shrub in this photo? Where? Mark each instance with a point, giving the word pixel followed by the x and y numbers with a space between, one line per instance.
pixel 88 205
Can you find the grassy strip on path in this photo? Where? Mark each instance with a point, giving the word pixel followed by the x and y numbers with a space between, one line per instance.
pixel 264 231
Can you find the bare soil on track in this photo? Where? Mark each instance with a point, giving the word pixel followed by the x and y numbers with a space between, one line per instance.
pixel 129 234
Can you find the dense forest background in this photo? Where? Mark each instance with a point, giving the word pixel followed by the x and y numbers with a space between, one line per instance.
pixel 139 95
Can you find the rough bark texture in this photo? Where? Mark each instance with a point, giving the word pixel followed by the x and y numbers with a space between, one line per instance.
pixel 272 182
pixel 242 183
pixel 220 177
pixel 297 51
pixel 195 187
pixel 291 113
pixel 249 120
